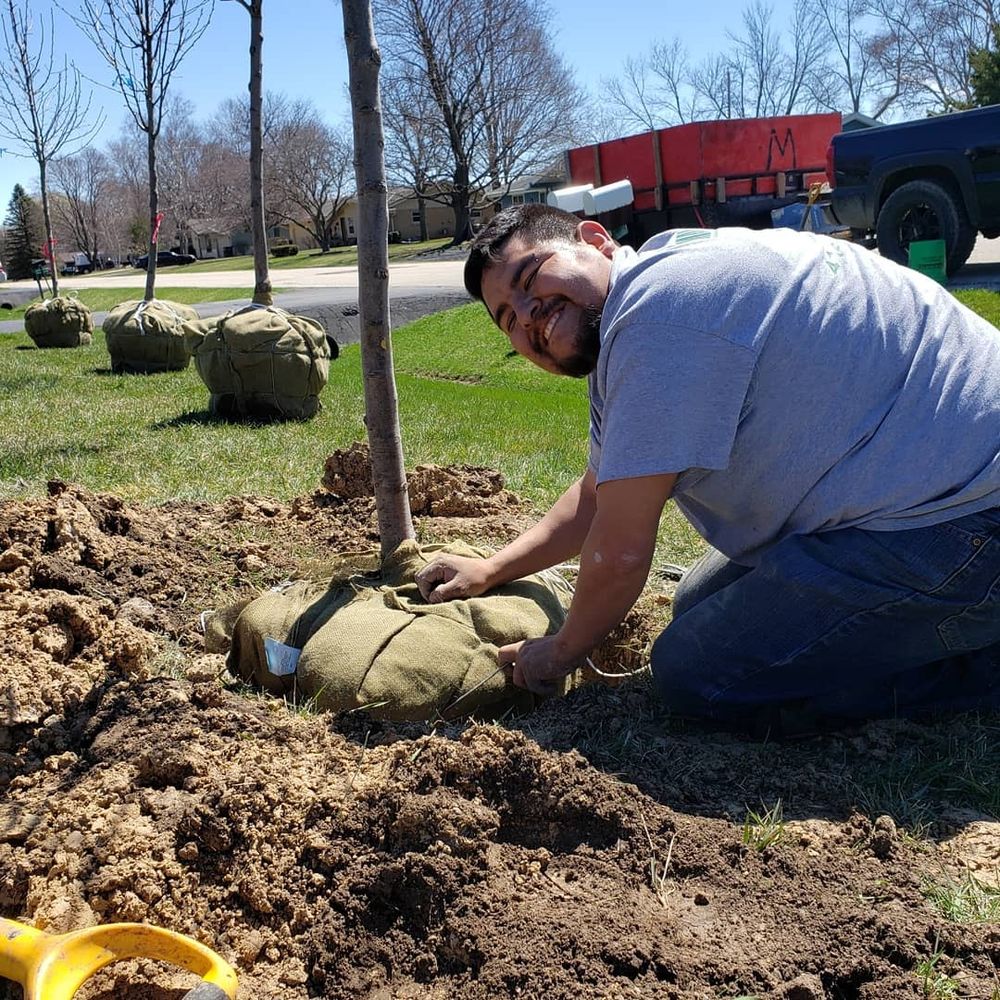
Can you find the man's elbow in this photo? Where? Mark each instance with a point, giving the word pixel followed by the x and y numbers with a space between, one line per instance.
pixel 622 560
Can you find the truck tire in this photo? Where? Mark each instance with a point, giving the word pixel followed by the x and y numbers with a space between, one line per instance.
pixel 924 210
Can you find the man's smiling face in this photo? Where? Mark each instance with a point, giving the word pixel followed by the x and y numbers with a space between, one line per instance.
pixel 548 297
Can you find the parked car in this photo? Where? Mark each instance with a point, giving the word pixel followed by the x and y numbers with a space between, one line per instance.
pixel 165 258
pixel 79 263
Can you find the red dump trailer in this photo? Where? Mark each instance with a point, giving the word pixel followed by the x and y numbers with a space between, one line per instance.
pixel 718 173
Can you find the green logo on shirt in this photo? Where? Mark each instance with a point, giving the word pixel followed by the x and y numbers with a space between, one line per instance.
pixel 834 257
pixel 682 236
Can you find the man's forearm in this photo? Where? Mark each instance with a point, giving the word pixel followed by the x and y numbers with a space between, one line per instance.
pixel 615 561
pixel 610 581
pixel 558 536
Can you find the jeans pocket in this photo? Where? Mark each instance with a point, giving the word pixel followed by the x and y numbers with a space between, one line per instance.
pixel 976 626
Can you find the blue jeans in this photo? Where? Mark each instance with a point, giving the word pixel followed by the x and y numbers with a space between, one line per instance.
pixel 837 627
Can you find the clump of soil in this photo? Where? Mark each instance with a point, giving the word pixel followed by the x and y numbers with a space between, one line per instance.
pixel 592 849
pixel 455 491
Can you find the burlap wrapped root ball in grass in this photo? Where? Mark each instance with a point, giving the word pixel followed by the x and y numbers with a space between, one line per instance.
pixel 368 640
pixel 262 363
pixel 60 322
pixel 144 338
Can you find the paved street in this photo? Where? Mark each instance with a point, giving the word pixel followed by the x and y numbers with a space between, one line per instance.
pixel 405 278
pixel 330 294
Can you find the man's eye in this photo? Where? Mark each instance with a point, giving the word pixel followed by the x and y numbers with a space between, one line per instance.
pixel 531 277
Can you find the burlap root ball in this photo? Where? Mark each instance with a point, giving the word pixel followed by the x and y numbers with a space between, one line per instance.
pixel 59 322
pixel 368 640
pixel 261 363
pixel 148 337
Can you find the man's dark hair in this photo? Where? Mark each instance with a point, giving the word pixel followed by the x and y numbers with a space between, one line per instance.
pixel 534 223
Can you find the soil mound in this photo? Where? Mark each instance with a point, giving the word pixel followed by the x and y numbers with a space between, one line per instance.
pixel 439 491
pixel 589 850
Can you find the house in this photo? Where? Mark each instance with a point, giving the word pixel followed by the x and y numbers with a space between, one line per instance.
pixel 242 239
pixel 530 188
pixel 211 238
pixel 405 211
pixel 856 120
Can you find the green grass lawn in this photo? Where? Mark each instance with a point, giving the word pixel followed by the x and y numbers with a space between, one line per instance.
pixel 987 304
pixel 463 398
pixel 338 257
pixel 103 299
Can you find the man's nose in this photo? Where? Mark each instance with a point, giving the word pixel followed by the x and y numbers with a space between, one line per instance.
pixel 526 309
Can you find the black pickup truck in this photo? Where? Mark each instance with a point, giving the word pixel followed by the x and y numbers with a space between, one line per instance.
pixel 936 178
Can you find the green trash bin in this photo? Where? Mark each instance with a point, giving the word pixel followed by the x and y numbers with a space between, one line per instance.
pixel 928 257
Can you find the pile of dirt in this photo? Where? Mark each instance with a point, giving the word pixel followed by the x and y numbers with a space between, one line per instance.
pixel 587 850
pixel 455 491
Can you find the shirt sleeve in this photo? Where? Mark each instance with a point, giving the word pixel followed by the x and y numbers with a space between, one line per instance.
pixel 672 401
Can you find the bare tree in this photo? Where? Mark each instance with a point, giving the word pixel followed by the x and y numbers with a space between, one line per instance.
pixel 633 93
pixel 131 189
pixel 805 64
pixel 222 184
pixel 262 279
pixel 762 71
pixel 852 78
pixel 762 75
pixel 928 43
pixel 144 41
pixel 501 96
pixel 84 181
pixel 41 108
pixel 229 129
pixel 311 176
pixel 381 408
pixel 179 174
pixel 416 148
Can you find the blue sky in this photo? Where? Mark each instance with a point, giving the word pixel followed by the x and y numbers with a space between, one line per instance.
pixel 304 55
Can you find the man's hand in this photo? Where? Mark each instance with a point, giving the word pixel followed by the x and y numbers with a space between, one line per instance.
pixel 539 664
pixel 450 578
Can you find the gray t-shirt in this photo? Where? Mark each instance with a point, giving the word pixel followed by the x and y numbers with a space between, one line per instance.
pixel 797 383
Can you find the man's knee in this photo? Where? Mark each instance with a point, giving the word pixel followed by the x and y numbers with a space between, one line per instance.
pixel 681 673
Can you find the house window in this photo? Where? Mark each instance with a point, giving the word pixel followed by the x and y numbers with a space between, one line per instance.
pixel 476 213
pixel 350 226
pixel 415 216
pixel 517 199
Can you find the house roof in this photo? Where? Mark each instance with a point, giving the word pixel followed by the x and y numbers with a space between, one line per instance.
pixel 552 175
pixel 857 119
pixel 209 227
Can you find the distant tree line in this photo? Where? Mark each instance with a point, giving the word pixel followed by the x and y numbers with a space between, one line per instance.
pixel 475 95
pixel 99 197
pixel 894 58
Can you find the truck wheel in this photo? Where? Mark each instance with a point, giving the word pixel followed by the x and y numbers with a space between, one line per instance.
pixel 924 210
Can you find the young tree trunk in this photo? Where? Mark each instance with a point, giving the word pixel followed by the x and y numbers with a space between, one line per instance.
pixel 422 209
pixel 460 204
pixel 262 279
pixel 48 228
pixel 150 294
pixel 381 412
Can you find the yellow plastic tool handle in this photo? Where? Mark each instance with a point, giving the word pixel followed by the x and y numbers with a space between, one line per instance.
pixel 19 945
pixel 52 967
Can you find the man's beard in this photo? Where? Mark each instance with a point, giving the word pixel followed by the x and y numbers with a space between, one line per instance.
pixel 588 345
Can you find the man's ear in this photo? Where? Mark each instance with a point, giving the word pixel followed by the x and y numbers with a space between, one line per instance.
pixel 594 234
